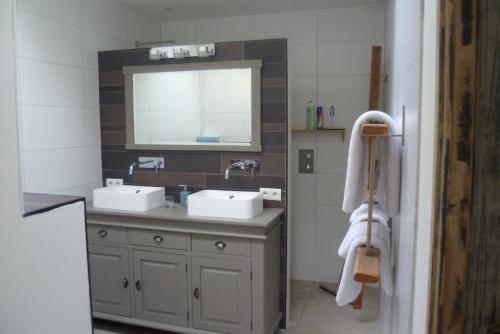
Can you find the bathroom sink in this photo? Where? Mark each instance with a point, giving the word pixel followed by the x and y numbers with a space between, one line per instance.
pixel 131 198
pixel 225 204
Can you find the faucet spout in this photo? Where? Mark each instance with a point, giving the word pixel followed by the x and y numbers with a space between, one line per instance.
pixel 131 168
pixel 238 164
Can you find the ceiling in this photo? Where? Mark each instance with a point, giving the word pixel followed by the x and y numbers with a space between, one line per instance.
pixel 179 10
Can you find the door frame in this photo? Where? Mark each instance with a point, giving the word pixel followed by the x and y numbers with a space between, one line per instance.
pixel 452 211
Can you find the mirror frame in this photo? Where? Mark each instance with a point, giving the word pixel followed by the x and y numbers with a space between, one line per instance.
pixel 253 146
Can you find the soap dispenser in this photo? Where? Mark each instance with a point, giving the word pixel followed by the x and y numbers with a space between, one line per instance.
pixel 184 195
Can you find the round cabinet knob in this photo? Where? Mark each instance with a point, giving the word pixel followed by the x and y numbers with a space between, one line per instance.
pixel 158 239
pixel 220 245
pixel 125 283
pixel 196 293
pixel 138 285
pixel 103 233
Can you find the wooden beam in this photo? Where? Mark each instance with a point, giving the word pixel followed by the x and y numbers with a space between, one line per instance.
pixel 454 169
pixel 374 102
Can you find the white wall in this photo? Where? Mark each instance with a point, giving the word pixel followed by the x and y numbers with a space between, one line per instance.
pixel 403 42
pixel 329 63
pixel 33 300
pixel 57 43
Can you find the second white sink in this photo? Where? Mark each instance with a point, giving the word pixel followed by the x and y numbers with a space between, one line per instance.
pixel 225 204
pixel 131 198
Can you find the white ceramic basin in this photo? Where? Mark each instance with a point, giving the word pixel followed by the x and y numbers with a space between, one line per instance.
pixel 225 204
pixel 132 198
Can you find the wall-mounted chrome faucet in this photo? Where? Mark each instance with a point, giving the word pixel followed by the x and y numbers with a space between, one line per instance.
pixel 244 165
pixel 157 164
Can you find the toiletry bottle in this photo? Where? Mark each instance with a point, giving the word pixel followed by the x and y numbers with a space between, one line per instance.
pixel 332 115
pixel 311 116
pixel 184 195
pixel 319 117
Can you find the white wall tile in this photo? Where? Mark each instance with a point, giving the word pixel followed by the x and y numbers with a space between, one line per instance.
pixel 344 58
pixel 302 59
pixel 331 221
pixel 38 124
pixel 141 28
pixel 303 249
pixel 330 189
pixel 45 39
pixel 345 92
pixel 351 24
pixel 302 271
pixel 68 11
pixel 326 251
pixel 50 84
pixel 237 28
pixel 94 42
pixel 303 219
pixel 92 126
pixel 93 165
pixel 182 32
pixel 91 89
pixel 303 188
pixel 302 89
pixel 54 170
pixel 328 274
pixel 331 156
pixel 298 27
pixel 105 17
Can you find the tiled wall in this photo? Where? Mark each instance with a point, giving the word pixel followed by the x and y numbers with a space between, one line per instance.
pixel 329 62
pixel 404 22
pixel 57 43
pixel 200 170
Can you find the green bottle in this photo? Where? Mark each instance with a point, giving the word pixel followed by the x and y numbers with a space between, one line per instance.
pixel 311 116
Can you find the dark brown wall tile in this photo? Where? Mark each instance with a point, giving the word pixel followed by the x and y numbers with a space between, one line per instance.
pixel 273 127
pixel 115 78
pixel 195 162
pixel 273 70
pixel 273 138
pixel 112 115
pixel 273 112
pixel 169 179
pixel 112 97
pixel 273 82
pixel 115 60
pixel 240 182
pixel 113 138
pixel 273 94
pixel 270 51
pixel 270 164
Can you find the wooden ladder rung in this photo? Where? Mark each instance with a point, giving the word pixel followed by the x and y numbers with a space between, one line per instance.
pixel 366 266
pixel 375 130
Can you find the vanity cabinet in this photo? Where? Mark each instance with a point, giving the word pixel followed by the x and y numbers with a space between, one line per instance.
pixel 110 278
pixel 160 287
pixel 222 294
pixel 185 275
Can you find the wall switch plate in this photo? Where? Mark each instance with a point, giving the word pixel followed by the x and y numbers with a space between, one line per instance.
pixel 114 182
pixel 306 161
pixel 151 165
pixel 271 194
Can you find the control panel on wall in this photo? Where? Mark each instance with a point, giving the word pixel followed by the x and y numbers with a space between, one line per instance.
pixel 306 161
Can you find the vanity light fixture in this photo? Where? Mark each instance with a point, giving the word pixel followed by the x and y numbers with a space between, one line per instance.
pixel 182 51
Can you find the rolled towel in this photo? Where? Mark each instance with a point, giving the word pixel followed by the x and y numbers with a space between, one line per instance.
pixel 356 184
pixel 359 229
pixel 349 289
pixel 361 213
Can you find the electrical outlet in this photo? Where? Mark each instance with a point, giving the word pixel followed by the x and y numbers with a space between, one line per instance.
pixel 271 194
pixel 114 182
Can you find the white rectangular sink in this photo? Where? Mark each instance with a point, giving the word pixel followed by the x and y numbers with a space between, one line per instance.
pixel 131 198
pixel 225 204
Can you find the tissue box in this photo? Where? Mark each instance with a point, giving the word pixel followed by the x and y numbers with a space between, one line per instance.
pixel 207 139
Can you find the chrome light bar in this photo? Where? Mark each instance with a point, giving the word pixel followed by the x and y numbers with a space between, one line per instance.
pixel 182 51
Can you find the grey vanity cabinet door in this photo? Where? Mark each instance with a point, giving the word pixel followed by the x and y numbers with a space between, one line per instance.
pixel 109 280
pixel 221 295
pixel 161 287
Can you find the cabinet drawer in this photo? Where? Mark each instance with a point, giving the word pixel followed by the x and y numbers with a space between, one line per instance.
pixel 222 245
pixel 107 233
pixel 163 239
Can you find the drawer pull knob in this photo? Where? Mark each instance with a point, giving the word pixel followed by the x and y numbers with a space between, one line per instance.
pixel 138 285
pixel 158 239
pixel 125 283
pixel 220 245
pixel 196 293
pixel 103 233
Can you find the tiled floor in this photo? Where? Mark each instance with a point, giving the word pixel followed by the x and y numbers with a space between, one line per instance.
pixel 313 311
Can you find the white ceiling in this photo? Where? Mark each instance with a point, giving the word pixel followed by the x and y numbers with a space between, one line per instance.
pixel 178 10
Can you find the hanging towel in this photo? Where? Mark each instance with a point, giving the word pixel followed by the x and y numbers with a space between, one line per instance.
pixel 349 289
pixel 356 185
pixel 361 214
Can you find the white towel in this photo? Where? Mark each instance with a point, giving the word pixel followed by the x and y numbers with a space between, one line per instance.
pixel 361 214
pixel 349 289
pixel 356 184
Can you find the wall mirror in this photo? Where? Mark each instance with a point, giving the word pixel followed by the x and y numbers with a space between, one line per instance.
pixel 194 106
